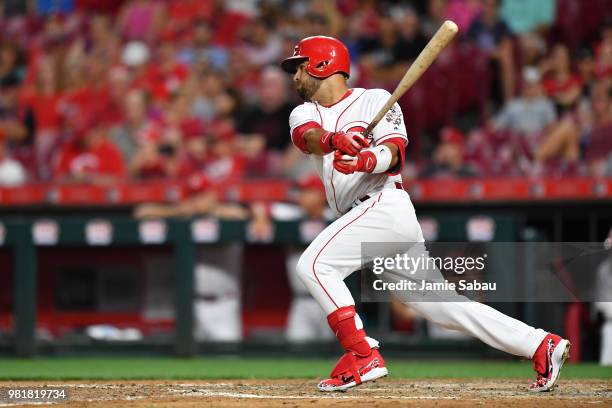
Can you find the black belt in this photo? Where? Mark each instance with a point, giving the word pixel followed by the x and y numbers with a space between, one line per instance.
pixel 398 185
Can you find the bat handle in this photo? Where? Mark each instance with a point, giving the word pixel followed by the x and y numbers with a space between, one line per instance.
pixel 369 129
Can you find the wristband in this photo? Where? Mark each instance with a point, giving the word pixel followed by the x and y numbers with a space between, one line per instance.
pixel 383 158
pixel 325 142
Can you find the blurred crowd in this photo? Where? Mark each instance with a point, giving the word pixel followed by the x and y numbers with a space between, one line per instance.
pixel 102 91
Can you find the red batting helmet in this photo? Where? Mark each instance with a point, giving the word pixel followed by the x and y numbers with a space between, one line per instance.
pixel 325 55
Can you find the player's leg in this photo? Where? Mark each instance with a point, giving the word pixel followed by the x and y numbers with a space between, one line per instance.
pixel 485 323
pixel 330 258
pixel 494 328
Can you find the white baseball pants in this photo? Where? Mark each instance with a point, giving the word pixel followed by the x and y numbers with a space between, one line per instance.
pixel 389 216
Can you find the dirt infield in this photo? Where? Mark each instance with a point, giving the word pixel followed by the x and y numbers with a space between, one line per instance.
pixel 302 393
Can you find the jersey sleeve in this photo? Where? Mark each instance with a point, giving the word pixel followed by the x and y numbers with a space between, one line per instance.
pixel 391 128
pixel 392 124
pixel 303 118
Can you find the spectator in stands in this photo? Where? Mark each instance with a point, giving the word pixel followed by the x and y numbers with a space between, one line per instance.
pixel 525 119
pixel 196 149
pixel 12 67
pixel 17 124
pixel 222 167
pixel 376 42
pixel 604 52
pixel 463 12
pixel 54 6
pixel 315 24
pixel 209 87
pixel 201 52
pixel 494 37
pixel 585 68
pixel 12 172
pixel 591 127
pixel 131 133
pixel 560 83
pixel 531 113
pixel 324 18
pixel 448 160
pixel 225 164
pixel 12 8
pixel 45 102
pixel 118 88
pixel 90 157
pixel 241 75
pixel 410 41
pixel 528 15
pixel 105 42
pixel 597 137
pixel 262 43
pixel 436 14
pixel 167 76
pixel 158 153
pixel 532 49
pixel 140 20
pixel 266 125
pixel 183 15
pixel 210 59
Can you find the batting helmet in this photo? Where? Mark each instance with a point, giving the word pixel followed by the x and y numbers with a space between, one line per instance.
pixel 325 55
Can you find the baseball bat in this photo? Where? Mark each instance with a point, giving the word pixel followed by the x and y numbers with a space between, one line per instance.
pixel 431 51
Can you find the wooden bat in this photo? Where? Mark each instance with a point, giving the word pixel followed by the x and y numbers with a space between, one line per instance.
pixel 431 51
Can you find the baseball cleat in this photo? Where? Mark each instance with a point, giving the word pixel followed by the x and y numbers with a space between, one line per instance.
pixel 345 376
pixel 548 361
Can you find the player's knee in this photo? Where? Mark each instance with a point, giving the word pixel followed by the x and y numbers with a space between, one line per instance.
pixel 304 268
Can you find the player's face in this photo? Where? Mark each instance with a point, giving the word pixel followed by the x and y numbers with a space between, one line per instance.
pixel 305 85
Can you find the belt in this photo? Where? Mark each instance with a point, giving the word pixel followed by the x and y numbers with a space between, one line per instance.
pixel 366 197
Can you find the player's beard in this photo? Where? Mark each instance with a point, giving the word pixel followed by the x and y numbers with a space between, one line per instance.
pixel 308 87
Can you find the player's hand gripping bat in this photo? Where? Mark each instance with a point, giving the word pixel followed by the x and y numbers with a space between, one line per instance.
pixel 431 51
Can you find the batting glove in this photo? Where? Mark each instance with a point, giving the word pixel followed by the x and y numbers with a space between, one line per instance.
pixel 364 161
pixel 346 142
pixel 372 160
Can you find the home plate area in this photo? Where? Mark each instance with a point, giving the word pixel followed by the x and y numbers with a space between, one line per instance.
pixel 303 393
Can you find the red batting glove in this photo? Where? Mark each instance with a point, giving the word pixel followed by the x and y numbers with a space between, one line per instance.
pixel 345 142
pixel 364 161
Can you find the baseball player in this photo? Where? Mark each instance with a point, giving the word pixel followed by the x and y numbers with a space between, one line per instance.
pixel 364 188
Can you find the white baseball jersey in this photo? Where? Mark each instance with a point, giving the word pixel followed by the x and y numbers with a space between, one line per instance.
pixel 386 216
pixel 354 112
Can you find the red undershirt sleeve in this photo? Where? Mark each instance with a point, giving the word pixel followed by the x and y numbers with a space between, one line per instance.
pixel 297 136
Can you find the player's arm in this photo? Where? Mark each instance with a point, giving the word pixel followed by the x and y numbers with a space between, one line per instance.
pixel 312 138
pixel 384 158
pixel 389 137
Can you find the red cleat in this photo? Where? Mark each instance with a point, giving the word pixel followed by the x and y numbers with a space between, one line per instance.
pixel 548 361
pixel 353 370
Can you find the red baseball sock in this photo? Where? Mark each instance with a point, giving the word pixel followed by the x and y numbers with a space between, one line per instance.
pixel 342 323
